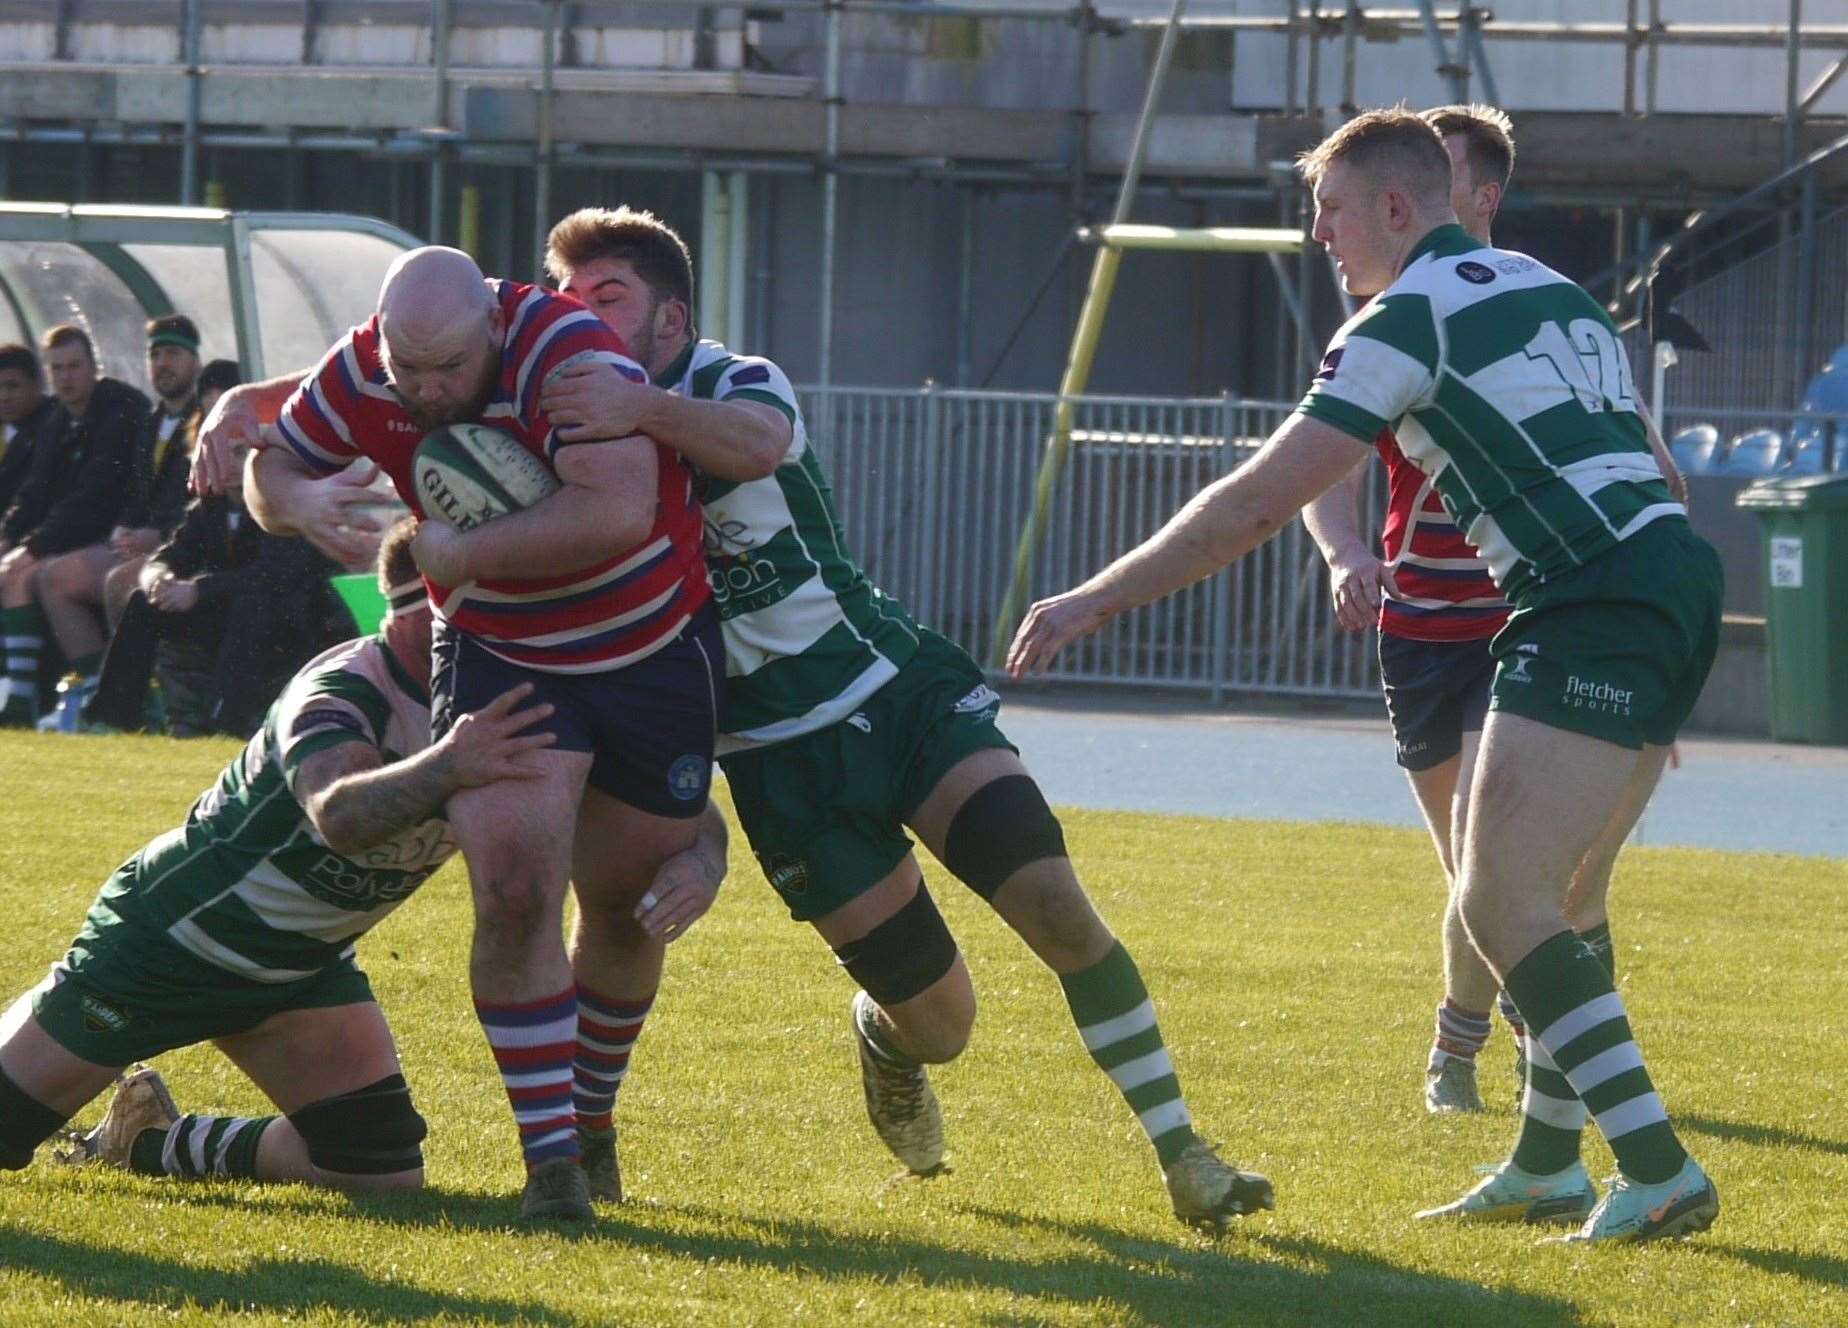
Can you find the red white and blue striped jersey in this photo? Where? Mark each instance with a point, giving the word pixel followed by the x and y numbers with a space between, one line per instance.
pixel 589 620
pixel 1445 590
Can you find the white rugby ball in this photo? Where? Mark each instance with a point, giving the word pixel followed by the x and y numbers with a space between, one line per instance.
pixel 467 474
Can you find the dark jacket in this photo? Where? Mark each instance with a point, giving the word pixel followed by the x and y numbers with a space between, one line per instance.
pixel 17 463
pixel 160 493
pixel 83 472
pixel 289 572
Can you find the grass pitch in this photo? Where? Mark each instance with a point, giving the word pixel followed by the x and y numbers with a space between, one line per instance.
pixel 1295 968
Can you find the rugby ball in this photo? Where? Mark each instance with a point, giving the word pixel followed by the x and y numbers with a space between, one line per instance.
pixel 468 474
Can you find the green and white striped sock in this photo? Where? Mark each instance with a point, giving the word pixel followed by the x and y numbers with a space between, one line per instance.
pixel 23 631
pixel 1552 1117
pixel 1575 1014
pixel 200 1146
pixel 1116 1019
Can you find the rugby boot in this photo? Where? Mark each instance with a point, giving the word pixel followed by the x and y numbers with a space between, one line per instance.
pixel 602 1168
pixel 899 1101
pixel 557 1191
pixel 141 1102
pixel 1207 1192
pixel 1451 1087
pixel 1509 1194
pixel 1632 1211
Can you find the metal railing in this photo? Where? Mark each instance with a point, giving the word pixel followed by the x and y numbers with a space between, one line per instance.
pixel 933 486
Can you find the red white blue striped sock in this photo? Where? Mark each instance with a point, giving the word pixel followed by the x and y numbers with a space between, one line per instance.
pixel 1460 1034
pixel 533 1043
pixel 606 1034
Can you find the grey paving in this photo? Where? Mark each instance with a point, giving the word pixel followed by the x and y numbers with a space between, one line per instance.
pixel 1149 756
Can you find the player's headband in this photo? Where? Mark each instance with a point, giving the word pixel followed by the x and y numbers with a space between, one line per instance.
pixel 408 597
pixel 169 337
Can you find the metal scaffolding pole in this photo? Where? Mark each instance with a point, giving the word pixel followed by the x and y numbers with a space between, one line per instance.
pixel 542 174
pixel 830 189
pixel 439 160
pixel 189 144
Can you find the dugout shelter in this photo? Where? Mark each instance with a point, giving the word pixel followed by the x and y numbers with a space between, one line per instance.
pixel 271 290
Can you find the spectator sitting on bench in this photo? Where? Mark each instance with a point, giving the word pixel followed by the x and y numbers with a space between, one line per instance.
pixel 26 413
pixel 228 612
pixel 81 476
pixel 70 588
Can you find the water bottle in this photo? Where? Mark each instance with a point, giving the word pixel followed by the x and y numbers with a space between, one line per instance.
pixel 71 696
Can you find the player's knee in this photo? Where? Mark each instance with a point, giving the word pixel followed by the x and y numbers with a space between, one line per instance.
pixel 905 956
pixel 512 893
pixel 371 1138
pixel 1001 827
pixel 936 1030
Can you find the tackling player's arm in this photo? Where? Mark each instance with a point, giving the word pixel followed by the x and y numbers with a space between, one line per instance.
pixel 1225 521
pixel 731 440
pixel 1356 577
pixel 687 883
pixel 356 801
pixel 604 505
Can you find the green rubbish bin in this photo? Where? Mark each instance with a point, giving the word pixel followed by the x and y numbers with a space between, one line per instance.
pixel 1805 524
pixel 364 600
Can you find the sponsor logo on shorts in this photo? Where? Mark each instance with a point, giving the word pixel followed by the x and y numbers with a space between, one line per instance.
pixel 1475 273
pixel 101 1017
pixel 1585 694
pixel 1413 749
pixel 686 777
pixel 859 720
pixel 401 426
pixel 787 874
pixel 1523 656
pixel 983 699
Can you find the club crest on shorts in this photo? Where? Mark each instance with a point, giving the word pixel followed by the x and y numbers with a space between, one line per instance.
pixel 101 1017
pixel 686 777
pixel 786 873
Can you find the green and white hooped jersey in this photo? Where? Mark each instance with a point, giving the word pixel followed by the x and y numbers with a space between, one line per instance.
pixel 247 884
pixel 1507 385
pixel 807 637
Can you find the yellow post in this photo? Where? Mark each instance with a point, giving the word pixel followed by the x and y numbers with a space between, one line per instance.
pixel 1072 384
pixel 468 225
pixel 215 193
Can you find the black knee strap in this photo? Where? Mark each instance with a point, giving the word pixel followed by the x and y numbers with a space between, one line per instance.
pixel 372 1131
pixel 902 955
pixel 1000 828
pixel 25 1123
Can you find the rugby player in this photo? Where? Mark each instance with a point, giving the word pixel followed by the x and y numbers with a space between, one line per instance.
pixel 597 596
pixel 845 723
pixel 1507 385
pixel 1436 606
pixel 240 927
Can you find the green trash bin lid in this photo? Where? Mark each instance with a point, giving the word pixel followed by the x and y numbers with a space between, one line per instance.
pixel 1797 493
pixel 360 592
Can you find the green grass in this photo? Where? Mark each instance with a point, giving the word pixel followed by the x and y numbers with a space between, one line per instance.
pixel 1295 968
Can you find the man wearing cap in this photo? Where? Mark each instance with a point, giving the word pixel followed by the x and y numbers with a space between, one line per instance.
pixel 70 587
pixel 240 927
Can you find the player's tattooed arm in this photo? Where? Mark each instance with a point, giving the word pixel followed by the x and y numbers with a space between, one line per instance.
pixel 356 801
